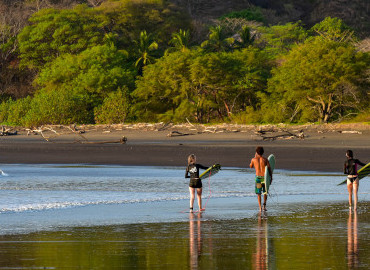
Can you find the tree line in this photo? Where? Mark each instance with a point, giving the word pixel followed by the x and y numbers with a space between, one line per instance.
pixel 139 61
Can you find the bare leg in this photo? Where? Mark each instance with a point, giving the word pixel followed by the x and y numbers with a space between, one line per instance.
pixel 192 196
pixel 259 201
pixel 355 192
pixel 349 188
pixel 264 202
pixel 199 197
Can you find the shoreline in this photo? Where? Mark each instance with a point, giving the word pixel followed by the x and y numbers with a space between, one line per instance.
pixel 322 149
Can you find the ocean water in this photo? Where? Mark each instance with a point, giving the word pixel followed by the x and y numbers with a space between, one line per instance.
pixel 38 197
pixel 125 217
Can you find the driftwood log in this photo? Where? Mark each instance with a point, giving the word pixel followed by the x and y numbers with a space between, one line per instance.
pixel 7 132
pixel 178 133
pixel 285 134
pixel 123 140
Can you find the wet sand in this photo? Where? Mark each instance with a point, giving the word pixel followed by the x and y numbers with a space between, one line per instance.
pixel 306 236
pixel 322 149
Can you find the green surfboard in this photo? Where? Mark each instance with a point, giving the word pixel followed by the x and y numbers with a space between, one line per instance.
pixel 268 177
pixel 210 171
pixel 363 172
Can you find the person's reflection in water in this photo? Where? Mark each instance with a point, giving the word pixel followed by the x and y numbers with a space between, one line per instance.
pixel 260 258
pixel 352 240
pixel 195 237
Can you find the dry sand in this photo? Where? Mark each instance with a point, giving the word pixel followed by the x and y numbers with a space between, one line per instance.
pixel 322 149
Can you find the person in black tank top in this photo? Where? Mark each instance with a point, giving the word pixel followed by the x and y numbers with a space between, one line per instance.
pixel 350 168
pixel 192 172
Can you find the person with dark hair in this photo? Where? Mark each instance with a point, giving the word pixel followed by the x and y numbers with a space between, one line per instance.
pixel 192 172
pixel 259 163
pixel 350 168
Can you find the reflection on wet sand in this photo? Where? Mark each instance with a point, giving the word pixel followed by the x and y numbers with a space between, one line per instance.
pixel 352 241
pixel 260 258
pixel 195 239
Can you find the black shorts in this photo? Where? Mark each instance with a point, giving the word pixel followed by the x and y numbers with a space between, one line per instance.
pixel 195 183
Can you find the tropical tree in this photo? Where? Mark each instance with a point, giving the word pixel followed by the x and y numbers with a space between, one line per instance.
pixel 244 37
pixel 180 40
pixel 278 39
pixel 201 86
pixel 55 32
pixel 217 41
pixel 145 47
pixel 323 76
pixel 334 29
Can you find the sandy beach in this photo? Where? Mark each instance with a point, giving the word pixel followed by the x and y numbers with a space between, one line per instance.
pixel 321 149
pixel 136 217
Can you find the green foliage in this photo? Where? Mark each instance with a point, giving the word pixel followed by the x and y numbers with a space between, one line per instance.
pixel 128 19
pixel 201 86
pixel 180 41
pixel 332 28
pixel 13 112
pixel 245 37
pixel 321 74
pixel 55 32
pixel 144 48
pixel 59 107
pixel 96 71
pixel 278 39
pixel 114 108
pixel 218 40
pixel 164 90
pixel 252 14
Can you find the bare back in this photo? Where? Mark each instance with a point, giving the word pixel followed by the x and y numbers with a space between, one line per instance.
pixel 259 163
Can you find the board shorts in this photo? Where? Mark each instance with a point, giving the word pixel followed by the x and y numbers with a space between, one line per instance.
pixel 195 183
pixel 260 185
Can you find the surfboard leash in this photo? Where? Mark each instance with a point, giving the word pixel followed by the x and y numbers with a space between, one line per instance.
pixel 209 187
pixel 209 196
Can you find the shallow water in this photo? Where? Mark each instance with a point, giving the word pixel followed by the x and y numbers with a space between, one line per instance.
pixel 117 217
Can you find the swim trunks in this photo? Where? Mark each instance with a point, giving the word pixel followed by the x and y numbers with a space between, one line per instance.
pixel 260 185
pixel 195 183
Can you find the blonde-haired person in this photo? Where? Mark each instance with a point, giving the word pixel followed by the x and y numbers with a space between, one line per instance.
pixel 192 172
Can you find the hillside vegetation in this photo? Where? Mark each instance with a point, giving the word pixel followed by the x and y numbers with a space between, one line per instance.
pixel 114 61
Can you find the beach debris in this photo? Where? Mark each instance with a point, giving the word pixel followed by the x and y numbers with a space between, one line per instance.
pixel 123 140
pixel 350 132
pixel 165 126
pixel 7 131
pixel 178 133
pixel 283 134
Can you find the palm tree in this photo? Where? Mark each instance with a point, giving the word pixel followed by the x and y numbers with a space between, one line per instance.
pixel 144 46
pixel 180 40
pixel 217 41
pixel 244 37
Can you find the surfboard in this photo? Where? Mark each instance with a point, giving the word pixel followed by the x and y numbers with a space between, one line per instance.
pixel 363 172
pixel 210 171
pixel 268 177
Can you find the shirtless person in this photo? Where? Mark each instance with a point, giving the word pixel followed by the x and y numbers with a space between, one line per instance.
pixel 259 163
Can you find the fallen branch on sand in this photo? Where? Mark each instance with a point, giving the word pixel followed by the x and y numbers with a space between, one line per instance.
pixel 123 140
pixel 177 133
pixel 286 134
pixel 7 132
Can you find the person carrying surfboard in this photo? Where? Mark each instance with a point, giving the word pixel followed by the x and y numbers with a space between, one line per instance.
pixel 259 163
pixel 350 168
pixel 192 172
